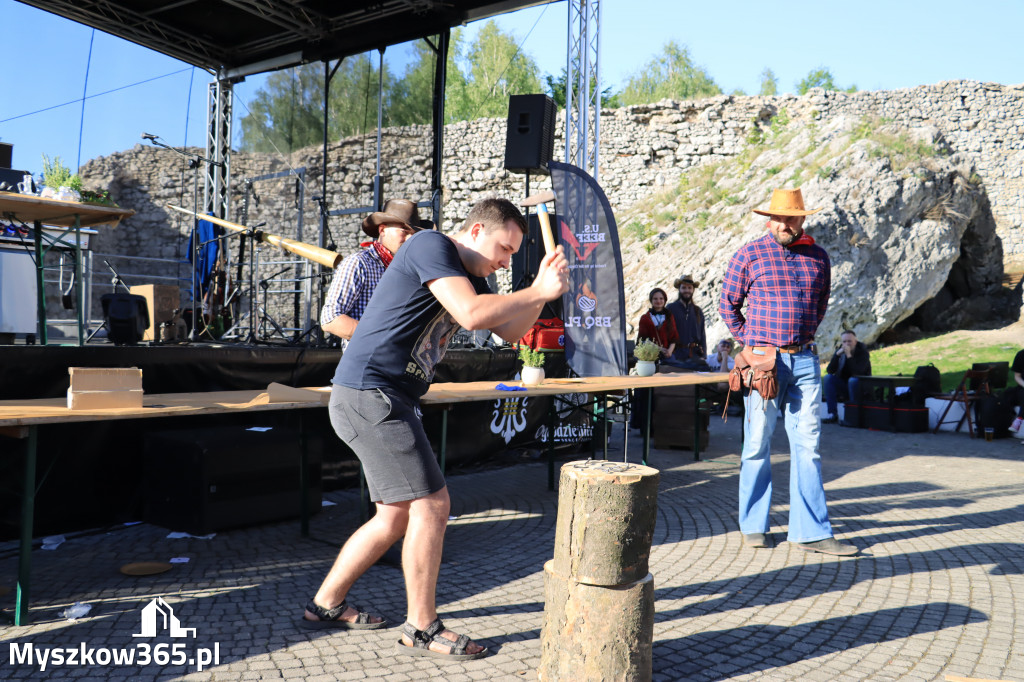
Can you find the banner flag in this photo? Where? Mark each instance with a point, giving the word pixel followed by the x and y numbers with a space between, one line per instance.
pixel 594 309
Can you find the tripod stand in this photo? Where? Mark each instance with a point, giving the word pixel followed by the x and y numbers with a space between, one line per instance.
pixel 194 162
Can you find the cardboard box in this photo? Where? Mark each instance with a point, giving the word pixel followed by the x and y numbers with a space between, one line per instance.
pixel 105 378
pixel 104 400
pixel 162 300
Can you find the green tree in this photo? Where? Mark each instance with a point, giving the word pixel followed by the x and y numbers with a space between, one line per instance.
pixel 671 74
pixel 491 68
pixel 280 117
pixel 556 89
pixel 769 83
pixel 820 78
pixel 410 98
pixel 287 112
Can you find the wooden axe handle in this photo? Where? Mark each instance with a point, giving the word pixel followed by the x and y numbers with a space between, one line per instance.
pixel 545 228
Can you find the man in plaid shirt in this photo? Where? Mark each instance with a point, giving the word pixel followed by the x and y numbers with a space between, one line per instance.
pixel 785 280
pixel 357 276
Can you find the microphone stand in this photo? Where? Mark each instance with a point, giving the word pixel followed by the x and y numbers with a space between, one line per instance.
pixel 194 161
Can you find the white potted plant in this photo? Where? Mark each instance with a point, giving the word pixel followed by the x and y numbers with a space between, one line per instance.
pixel 532 373
pixel 646 353
pixel 60 182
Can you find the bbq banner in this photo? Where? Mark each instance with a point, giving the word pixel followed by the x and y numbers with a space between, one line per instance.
pixel 594 309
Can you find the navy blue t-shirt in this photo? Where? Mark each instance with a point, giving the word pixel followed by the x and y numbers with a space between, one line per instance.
pixel 405 330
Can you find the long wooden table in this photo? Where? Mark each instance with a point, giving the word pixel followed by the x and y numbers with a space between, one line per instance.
pixel 21 419
pixel 443 394
pixel 28 208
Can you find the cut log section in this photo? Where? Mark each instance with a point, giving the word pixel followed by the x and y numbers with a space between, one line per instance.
pixel 596 633
pixel 606 514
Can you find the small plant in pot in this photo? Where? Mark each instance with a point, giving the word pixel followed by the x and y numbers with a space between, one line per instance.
pixel 646 352
pixel 60 182
pixel 532 373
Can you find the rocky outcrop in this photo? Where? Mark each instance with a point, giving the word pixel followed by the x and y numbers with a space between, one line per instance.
pixel 900 215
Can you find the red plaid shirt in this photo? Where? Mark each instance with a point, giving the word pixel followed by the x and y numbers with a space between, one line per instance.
pixel 786 290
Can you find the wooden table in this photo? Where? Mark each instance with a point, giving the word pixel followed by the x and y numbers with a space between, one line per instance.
pixel 72 215
pixel 444 394
pixel 21 419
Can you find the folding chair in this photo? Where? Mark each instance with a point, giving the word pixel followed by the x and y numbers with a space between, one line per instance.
pixel 961 394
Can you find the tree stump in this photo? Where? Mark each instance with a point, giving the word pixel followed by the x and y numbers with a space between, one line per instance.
pixel 606 514
pixel 596 632
pixel 598 594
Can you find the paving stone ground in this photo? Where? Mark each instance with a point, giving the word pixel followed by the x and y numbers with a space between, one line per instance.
pixel 937 590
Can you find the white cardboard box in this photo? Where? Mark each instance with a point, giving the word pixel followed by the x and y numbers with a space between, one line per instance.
pixel 104 400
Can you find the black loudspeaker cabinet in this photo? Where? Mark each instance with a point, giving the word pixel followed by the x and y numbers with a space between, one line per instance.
pixel 530 136
pixel 210 479
pixel 126 317
pixel 526 261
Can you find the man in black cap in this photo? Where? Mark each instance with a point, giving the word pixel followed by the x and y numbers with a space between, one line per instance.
pixel 357 276
pixel 689 319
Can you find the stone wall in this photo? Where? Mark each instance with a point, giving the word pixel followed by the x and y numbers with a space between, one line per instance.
pixel 644 149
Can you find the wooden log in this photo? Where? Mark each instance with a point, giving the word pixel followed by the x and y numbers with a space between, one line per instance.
pixel 606 514
pixel 595 632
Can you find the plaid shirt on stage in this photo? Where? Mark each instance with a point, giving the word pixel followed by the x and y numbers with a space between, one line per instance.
pixel 786 291
pixel 354 281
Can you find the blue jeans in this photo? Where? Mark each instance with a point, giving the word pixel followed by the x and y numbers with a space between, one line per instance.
pixel 799 396
pixel 832 383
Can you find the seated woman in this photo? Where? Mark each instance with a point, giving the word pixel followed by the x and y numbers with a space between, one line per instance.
pixel 658 326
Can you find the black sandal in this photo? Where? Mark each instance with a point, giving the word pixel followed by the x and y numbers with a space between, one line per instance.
pixel 329 618
pixel 421 640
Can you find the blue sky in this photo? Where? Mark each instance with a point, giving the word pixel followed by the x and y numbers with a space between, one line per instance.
pixel 873 44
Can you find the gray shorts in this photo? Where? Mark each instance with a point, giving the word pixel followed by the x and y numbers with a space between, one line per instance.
pixel 384 429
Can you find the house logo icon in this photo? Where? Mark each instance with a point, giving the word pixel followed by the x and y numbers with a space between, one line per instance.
pixel 158 615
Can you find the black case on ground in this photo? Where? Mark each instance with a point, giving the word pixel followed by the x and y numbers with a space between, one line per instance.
pixel 211 479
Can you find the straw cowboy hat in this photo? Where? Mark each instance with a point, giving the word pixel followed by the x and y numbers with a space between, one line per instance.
pixel 786 202
pixel 685 278
pixel 400 211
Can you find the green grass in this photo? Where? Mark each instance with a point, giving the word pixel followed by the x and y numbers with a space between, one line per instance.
pixel 951 353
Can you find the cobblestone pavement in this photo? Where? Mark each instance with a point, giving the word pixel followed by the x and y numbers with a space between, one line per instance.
pixel 936 591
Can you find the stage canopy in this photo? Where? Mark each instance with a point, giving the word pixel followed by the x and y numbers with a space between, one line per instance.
pixel 234 38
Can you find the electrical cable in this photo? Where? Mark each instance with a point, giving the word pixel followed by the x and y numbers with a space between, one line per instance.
pixel 85 88
pixel 98 94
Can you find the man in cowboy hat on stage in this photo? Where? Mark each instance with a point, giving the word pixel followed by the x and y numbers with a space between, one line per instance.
pixel 689 319
pixel 356 277
pixel 785 280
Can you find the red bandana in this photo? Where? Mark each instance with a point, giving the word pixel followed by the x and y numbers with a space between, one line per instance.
pixel 385 255
pixel 805 239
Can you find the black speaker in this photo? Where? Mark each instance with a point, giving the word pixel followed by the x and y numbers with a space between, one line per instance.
pixel 530 136
pixel 126 317
pixel 209 479
pixel 6 154
pixel 527 260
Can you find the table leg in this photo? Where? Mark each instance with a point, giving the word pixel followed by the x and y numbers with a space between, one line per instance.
pixel 303 479
pixel 552 425
pixel 604 423
pixel 444 437
pixel 41 294
pixel 696 422
pixel 80 282
pixel 647 423
pixel 27 517
pixel 364 497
